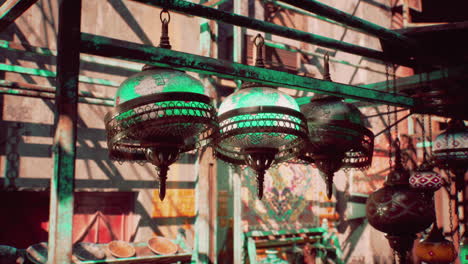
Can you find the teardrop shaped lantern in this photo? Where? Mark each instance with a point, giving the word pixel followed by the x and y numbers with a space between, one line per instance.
pixel 338 136
pixel 398 210
pixel 159 113
pixel 435 249
pixel 259 126
pixel 451 150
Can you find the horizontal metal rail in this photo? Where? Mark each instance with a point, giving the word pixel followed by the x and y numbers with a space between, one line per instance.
pixel 350 20
pixel 47 89
pixel 293 49
pixel 48 73
pixel 255 24
pixel 108 47
pixel 51 96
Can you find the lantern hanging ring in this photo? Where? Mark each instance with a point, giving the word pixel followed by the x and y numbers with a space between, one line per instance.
pixel 167 19
pixel 259 41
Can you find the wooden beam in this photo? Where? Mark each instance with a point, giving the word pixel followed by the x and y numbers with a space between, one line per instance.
pixel 107 47
pixel 11 10
pixel 62 183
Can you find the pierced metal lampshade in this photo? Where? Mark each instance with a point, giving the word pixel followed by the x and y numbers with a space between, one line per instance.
pixel 399 210
pixel 259 126
pixel 338 136
pixel 159 114
pixel 451 150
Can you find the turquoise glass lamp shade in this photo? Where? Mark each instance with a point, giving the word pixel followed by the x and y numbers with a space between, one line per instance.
pixel 158 114
pixel 259 126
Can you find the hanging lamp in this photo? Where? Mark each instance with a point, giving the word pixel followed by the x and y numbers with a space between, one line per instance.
pixel 451 150
pixel 398 210
pixel 338 136
pixel 159 113
pixel 424 178
pixel 435 249
pixel 259 126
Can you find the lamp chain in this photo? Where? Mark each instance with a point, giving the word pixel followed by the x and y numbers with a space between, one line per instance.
pixel 430 134
pixel 452 231
pixel 394 93
pixel 389 121
pixel 423 127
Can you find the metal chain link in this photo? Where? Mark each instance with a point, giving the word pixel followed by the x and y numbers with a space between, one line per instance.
pixel 423 127
pixel 394 93
pixel 450 205
pixel 430 135
pixel 389 120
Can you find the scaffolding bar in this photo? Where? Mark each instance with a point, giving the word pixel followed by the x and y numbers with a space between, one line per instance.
pixel 64 148
pixel 294 49
pixel 51 96
pixel 47 89
pixel 350 20
pixel 33 50
pixel 10 10
pixel 267 27
pixel 47 73
pixel 107 47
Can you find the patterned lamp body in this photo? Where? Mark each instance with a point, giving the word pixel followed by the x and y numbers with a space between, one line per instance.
pixel 399 210
pixel 424 178
pixel 464 249
pixel 435 249
pixel 338 137
pixel 158 114
pixel 259 126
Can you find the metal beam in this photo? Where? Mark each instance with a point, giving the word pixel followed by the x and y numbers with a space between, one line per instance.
pixel 47 73
pixel 10 10
pixel 350 20
pixel 48 92
pixel 107 47
pixel 267 27
pixel 64 151
pixel 33 50
pixel 294 49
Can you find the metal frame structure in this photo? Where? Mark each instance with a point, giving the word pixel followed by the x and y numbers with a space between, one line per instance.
pixel 71 41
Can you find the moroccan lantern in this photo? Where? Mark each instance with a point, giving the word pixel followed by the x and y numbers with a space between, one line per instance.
pixel 159 113
pixel 424 178
pixel 398 210
pixel 435 249
pixel 451 150
pixel 338 136
pixel 259 126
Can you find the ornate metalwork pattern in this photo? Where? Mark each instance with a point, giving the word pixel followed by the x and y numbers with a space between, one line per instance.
pixel 185 119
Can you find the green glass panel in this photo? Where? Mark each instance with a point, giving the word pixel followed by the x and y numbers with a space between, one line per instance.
pixel 157 81
pixel 257 96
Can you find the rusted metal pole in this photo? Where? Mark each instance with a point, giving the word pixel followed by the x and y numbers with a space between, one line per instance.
pixel 64 150
pixel 267 27
pixel 350 20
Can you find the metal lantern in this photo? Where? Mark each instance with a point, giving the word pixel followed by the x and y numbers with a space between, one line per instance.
pixel 464 248
pixel 259 126
pixel 158 114
pixel 451 150
pixel 398 210
pixel 435 249
pixel 338 136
